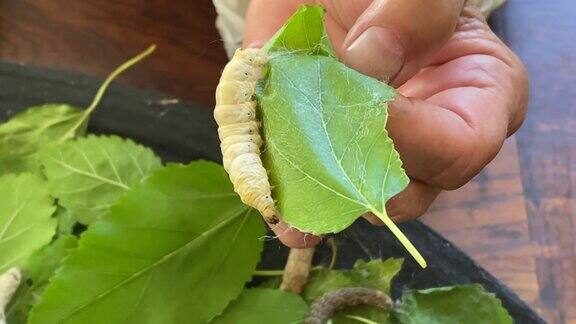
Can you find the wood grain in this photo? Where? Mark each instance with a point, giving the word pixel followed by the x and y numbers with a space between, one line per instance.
pixel 517 218
pixel 487 218
pixel 542 33
pixel 95 36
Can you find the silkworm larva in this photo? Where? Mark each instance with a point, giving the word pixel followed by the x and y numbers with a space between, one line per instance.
pixel 9 282
pixel 239 131
pixel 324 307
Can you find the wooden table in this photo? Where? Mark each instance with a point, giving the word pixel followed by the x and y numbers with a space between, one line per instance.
pixel 517 218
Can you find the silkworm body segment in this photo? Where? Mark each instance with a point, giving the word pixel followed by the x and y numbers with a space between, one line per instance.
pixel 231 92
pixel 233 114
pixel 239 131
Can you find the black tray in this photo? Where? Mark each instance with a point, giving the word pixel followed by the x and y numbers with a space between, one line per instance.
pixel 183 131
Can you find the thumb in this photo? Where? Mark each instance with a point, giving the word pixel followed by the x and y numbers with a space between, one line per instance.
pixel 393 39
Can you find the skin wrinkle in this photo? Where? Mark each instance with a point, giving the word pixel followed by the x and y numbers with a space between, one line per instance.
pixel 454 176
pixel 474 36
pixel 408 107
pixel 473 27
pixel 477 76
pixel 478 71
pixel 344 13
pixel 480 80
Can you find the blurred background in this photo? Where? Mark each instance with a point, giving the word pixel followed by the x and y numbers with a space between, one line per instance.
pixel 517 218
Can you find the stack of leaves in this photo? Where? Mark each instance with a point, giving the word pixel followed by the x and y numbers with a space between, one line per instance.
pixel 174 243
pixel 138 259
pixel 455 304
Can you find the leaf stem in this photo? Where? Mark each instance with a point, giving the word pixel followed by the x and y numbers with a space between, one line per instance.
pixel 334 249
pixel 268 273
pixel 100 93
pixel 401 237
pixel 297 270
pixel 361 319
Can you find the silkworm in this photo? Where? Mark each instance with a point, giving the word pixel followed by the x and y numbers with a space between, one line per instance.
pixel 239 131
pixel 9 282
pixel 323 308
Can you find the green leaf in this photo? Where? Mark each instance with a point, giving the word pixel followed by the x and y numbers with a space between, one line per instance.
pixel 303 33
pixel 368 314
pixel 326 280
pixel 32 130
pixel 272 283
pixel 89 174
pixel 329 154
pixel 38 270
pixel 28 132
pixel 327 148
pixel 457 304
pixel 263 306
pixel 66 221
pixel 26 222
pixel 354 319
pixel 43 263
pixel 20 305
pixel 375 274
pixel 176 248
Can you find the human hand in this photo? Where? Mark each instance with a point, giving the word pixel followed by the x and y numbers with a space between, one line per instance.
pixel 462 91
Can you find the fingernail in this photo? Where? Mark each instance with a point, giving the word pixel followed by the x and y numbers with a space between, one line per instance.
pixel 376 52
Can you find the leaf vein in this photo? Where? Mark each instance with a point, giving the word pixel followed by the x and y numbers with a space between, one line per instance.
pixel 150 267
pixel 88 174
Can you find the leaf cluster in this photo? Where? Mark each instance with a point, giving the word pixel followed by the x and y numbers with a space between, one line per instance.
pixel 454 304
pixel 107 234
